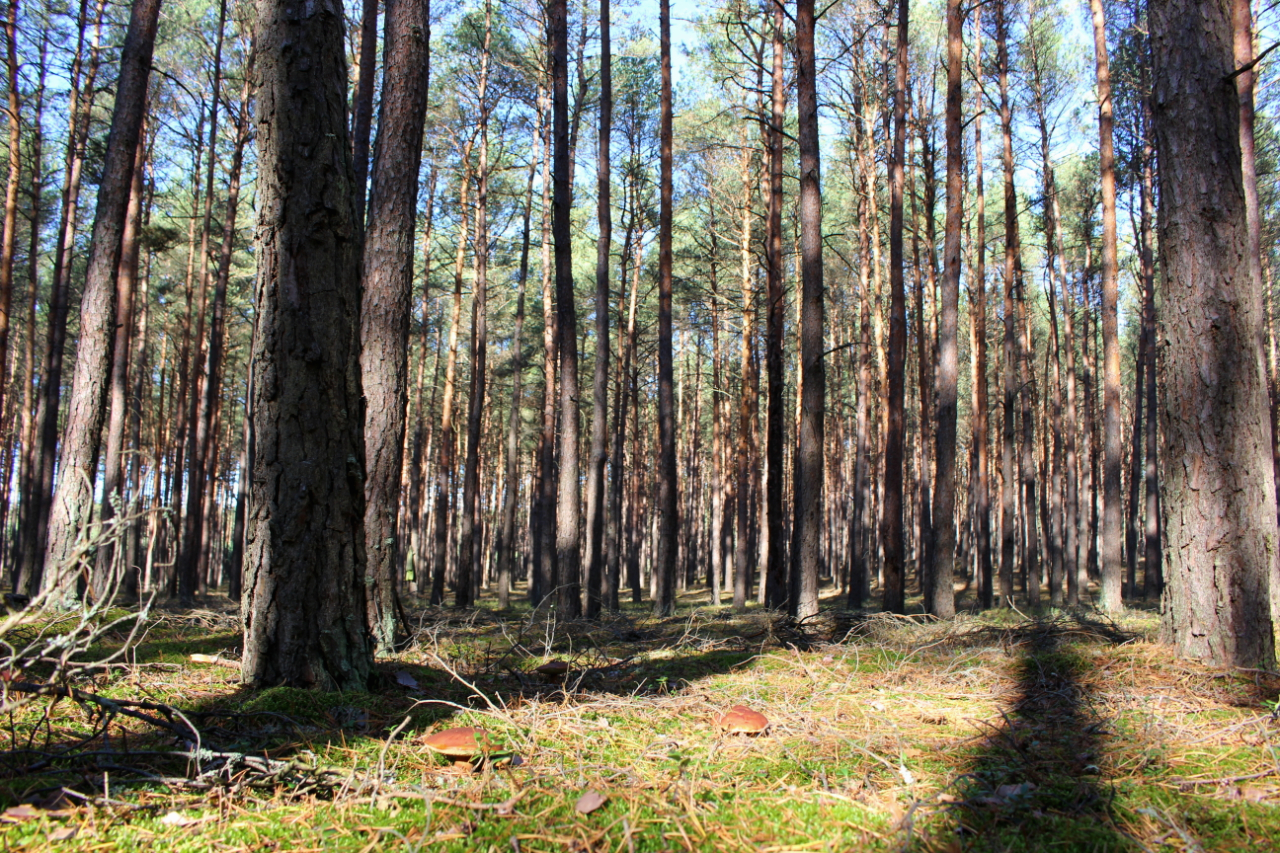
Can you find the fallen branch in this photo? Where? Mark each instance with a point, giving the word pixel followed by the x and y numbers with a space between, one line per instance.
pixel 216 660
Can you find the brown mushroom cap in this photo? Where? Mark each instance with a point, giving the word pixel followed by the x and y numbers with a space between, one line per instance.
pixel 463 742
pixel 740 718
pixel 553 669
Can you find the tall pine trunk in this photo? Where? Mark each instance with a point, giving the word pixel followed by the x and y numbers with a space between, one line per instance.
pixel 387 273
pixel 1109 595
pixel 600 385
pixel 72 508
pixel 668 490
pixel 568 504
pixel 470 536
pixel 1220 506
pixel 304 608
pixel 774 586
pixel 896 428
pixel 810 448
pixel 940 597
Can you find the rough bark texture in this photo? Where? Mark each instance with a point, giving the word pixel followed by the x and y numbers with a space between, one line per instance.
pixel 1219 493
pixel 104 568
pixel 304 608
pixel 811 439
pixel 940 597
pixel 73 503
pixel 386 301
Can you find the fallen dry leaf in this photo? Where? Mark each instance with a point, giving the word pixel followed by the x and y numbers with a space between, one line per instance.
pixel 590 801
pixel 177 819
pixel 22 812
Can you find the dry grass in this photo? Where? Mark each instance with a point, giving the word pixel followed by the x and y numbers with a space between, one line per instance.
pixel 1060 732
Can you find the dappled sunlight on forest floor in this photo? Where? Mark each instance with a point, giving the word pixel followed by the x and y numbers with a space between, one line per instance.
pixel 1060 731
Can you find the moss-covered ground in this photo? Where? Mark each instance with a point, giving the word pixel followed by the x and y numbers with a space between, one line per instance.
pixel 1055 731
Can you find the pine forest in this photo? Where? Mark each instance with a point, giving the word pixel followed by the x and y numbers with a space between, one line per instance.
pixel 640 425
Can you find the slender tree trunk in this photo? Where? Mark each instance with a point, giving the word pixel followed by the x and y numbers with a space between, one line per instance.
pixel 775 579
pixel 1109 595
pixel 304 608
pixel 387 299
pixel 668 488
pixel 978 309
pixel 600 386
pixel 362 118
pixel 892 508
pixel 10 227
pixel 1153 573
pixel 471 534
pixel 568 504
pixel 1220 506
pixel 1071 560
pixel 546 572
pixel 104 580
pixel 940 597
pixel 35 521
pixel 506 550
pixel 748 403
pixel 1008 514
pixel 811 441
pixel 448 436
pixel 27 483
pixel 73 504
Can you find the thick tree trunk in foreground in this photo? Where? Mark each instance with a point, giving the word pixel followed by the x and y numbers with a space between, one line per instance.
pixel 668 492
pixel 807 560
pixel 1219 492
pixel 940 598
pixel 386 301
pixel 73 503
pixel 1112 514
pixel 896 433
pixel 304 608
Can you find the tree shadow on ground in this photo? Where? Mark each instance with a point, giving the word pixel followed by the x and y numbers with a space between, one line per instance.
pixel 215 722
pixel 1037 779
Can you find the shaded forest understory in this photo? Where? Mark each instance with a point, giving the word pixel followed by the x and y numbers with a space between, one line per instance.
pixel 1061 731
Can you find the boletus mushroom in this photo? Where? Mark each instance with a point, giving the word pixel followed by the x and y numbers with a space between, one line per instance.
pixel 554 670
pixel 461 744
pixel 742 720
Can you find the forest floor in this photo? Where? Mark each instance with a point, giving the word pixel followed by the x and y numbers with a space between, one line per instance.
pixel 1001 732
